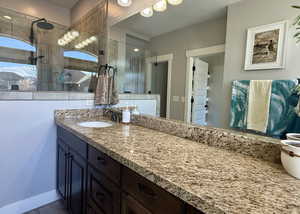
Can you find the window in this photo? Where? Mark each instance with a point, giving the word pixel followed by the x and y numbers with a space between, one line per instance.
pixel 16 44
pixel 77 80
pixel 81 55
pixel 15 71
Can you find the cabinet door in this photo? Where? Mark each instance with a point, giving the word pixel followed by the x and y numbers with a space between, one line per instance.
pixel 192 210
pixel 132 206
pixel 62 165
pixel 103 194
pixel 77 181
pixel 91 210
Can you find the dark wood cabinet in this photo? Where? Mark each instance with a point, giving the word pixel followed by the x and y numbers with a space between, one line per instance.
pixel 132 206
pixel 192 210
pixel 91 210
pixel 91 182
pixel 149 194
pixel 103 194
pixel 71 175
pixel 77 184
pixel 62 169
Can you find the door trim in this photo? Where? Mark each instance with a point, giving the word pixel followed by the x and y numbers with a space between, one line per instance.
pixel 190 54
pixel 162 58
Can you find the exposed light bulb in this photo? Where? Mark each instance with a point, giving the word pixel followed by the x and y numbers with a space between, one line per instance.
pixel 93 38
pixel 67 38
pixel 7 17
pixel 175 2
pixel 85 43
pixel 148 12
pixel 89 40
pixel 61 42
pixel 125 3
pixel 160 6
pixel 136 50
pixel 75 33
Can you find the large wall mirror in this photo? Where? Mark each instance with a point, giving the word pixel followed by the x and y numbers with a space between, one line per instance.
pixel 193 55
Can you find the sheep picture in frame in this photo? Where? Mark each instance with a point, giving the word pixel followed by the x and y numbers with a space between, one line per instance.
pixel 266 47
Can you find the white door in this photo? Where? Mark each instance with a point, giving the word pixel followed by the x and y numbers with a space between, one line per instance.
pixel 199 92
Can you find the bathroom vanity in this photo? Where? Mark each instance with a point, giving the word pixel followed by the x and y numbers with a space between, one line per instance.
pixel 91 182
pixel 159 166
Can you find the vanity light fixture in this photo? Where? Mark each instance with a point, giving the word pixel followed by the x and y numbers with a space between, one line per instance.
pixel 68 37
pixel 160 6
pixel 124 3
pixel 136 50
pixel 7 17
pixel 61 42
pixel 86 42
pixel 147 12
pixel 175 2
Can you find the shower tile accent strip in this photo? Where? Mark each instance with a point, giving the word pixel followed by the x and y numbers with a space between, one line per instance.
pixel 256 146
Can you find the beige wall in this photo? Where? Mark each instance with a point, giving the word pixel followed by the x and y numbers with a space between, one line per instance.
pixel 248 14
pixel 196 36
pixel 38 8
pixel 81 8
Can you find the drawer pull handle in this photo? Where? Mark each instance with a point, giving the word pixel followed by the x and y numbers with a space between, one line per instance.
pixel 100 196
pixel 146 190
pixel 101 160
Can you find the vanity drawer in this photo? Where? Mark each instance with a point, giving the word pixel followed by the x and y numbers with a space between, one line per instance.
pixel 154 198
pixel 75 143
pixel 103 195
pixel 105 164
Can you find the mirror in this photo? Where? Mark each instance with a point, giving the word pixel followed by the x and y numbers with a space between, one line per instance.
pixel 40 55
pixel 203 58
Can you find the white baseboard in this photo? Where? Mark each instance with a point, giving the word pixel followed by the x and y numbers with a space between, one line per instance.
pixel 31 203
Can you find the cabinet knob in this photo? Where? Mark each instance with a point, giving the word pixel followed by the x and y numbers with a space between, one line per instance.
pixel 100 196
pixel 101 160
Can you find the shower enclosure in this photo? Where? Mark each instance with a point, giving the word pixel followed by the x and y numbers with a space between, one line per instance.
pixel 39 55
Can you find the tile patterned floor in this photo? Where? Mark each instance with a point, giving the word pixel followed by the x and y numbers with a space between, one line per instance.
pixel 53 208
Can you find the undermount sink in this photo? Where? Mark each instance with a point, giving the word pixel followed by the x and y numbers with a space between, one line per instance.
pixel 95 124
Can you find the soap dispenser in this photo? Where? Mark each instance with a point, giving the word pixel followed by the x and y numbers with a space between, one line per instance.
pixel 135 111
pixel 126 115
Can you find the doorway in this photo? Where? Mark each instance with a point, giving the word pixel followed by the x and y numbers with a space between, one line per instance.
pixel 199 107
pixel 159 83
pixel 155 65
pixel 205 68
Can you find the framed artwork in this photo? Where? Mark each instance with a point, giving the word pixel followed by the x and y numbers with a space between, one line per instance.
pixel 266 46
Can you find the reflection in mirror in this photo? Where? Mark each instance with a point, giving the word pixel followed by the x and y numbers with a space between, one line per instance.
pixel 39 54
pixel 197 57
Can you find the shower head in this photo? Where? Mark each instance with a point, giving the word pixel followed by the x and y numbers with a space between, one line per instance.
pixel 45 25
pixel 42 24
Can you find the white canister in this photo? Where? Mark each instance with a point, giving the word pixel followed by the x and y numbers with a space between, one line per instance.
pixel 290 157
pixel 126 115
pixel 293 136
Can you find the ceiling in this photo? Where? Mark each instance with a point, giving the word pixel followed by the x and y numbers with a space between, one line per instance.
pixel 64 3
pixel 176 17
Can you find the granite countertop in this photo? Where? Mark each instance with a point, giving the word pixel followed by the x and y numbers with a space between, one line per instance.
pixel 211 179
